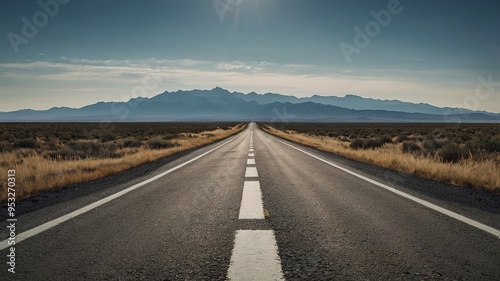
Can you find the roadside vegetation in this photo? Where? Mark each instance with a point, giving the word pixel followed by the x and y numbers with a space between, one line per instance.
pixel 464 155
pixel 48 156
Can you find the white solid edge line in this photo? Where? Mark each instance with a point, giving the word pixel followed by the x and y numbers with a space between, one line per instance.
pixel 251 172
pixel 251 206
pixel 427 204
pixel 255 256
pixel 43 227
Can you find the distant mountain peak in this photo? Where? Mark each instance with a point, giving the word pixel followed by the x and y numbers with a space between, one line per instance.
pixel 220 89
pixel 62 107
pixel 352 96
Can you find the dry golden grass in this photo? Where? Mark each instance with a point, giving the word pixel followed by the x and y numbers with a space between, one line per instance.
pixel 36 173
pixel 484 174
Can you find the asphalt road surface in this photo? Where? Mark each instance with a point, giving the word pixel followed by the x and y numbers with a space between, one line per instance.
pixel 254 207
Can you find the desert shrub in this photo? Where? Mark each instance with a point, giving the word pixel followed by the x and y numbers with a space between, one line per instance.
pixel 133 143
pixel 6 136
pixel 83 145
pixel 450 152
pixel 418 138
pixel 385 139
pixel 429 146
pixel 78 135
pixel 411 147
pixel 26 143
pixel 84 149
pixel 491 144
pixel 465 137
pixel 468 151
pixel 367 143
pixel 108 137
pixel 53 144
pixel 401 138
pixel 356 144
pixel 56 155
pixel 160 144
pixel 372 143
pixel 21 135
pixel 169 136
pixel 65 136
pixel 5 146
pixel 440 142
pixel 110 150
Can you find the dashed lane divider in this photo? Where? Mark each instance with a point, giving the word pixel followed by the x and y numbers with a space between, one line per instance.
pixel 255 253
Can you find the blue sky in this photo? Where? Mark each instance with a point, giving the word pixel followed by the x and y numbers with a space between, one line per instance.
pixel 439 52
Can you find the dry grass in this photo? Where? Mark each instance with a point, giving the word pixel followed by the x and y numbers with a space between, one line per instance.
pixel 36 173
pixel 484 174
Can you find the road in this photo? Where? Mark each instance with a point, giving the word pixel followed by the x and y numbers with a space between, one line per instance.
pixel 254 207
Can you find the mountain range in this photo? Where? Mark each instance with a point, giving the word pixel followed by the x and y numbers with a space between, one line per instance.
pixel 221 105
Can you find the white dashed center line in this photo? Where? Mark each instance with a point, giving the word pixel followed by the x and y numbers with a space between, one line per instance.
pixel 251 201
pixel 255 253
pixel 255 256
pixel 251 172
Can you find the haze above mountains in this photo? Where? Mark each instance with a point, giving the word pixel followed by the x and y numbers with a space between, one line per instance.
pixel 221 105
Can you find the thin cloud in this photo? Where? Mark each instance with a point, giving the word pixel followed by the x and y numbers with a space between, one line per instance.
pixel 81 78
